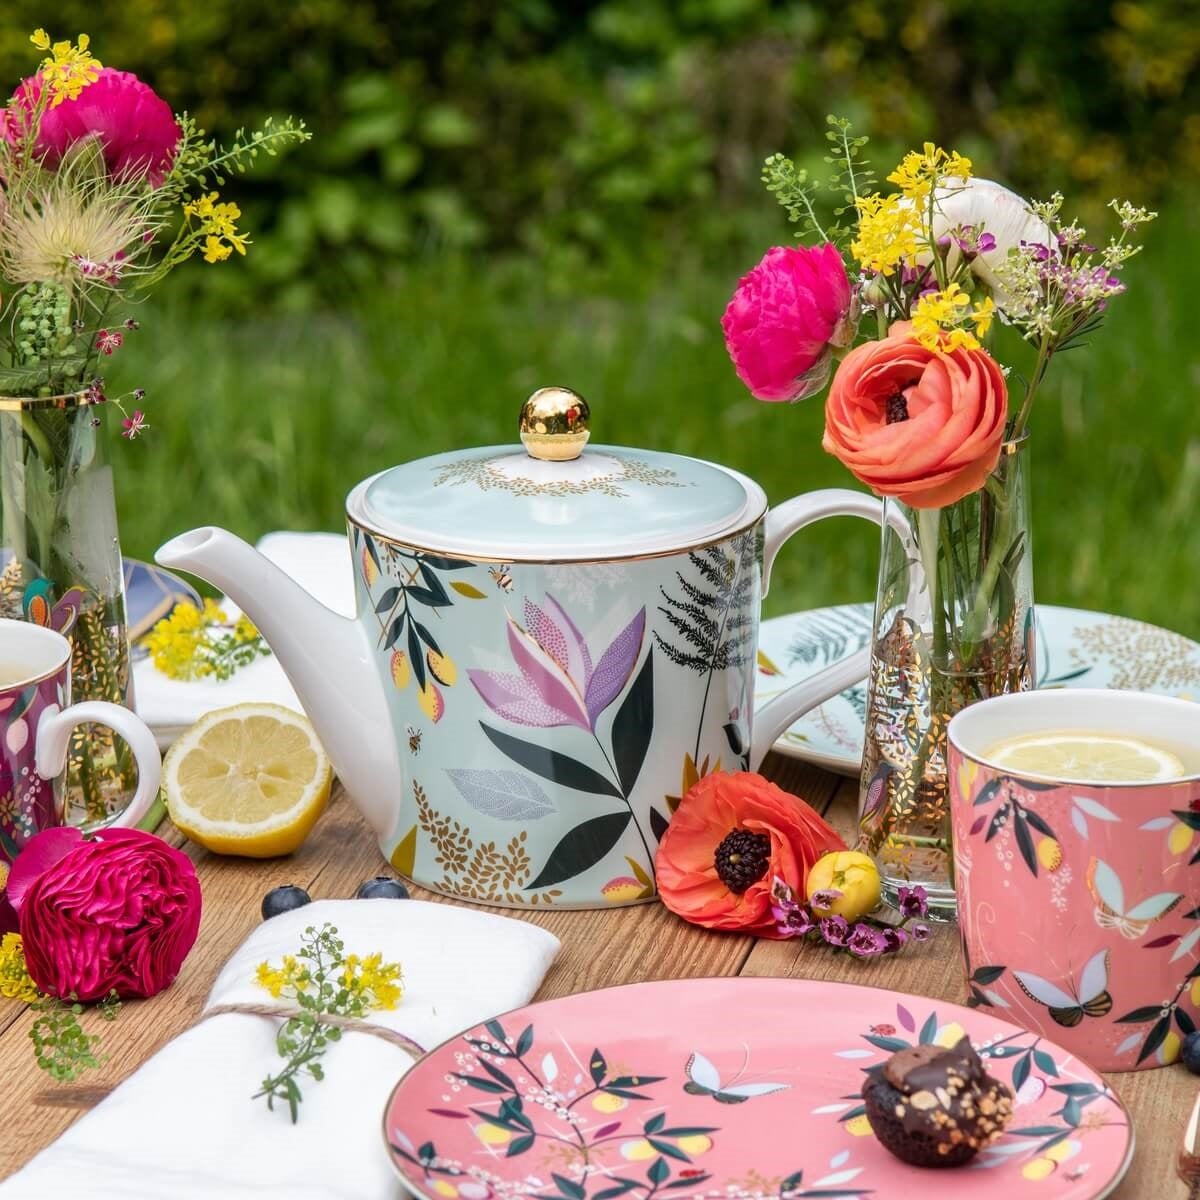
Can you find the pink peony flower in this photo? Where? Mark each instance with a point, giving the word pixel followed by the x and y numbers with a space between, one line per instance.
pixel 783 319
pixel 136 126
pixel 117 911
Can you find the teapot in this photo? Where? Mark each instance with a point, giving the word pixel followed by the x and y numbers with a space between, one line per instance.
pixel 552 642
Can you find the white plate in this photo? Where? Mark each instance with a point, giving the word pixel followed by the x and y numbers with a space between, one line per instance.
pixel 1075 648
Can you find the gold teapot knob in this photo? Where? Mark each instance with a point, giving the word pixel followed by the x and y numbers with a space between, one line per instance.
pixel 554 424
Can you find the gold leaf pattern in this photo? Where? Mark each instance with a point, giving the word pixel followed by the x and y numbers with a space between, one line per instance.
pixel 477 871
pixel 1140 656
pixel 482 473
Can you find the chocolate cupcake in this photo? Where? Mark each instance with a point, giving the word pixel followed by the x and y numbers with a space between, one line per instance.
pixel 933 1107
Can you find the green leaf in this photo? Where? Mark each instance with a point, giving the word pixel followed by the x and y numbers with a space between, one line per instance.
pixel 1020 1073
pixel 655 1123
pixel 551 764
pixel 1045 1063
pixel 1155 1037
pixel 890 1044
pixel 568 1187
pixel 1146 1013
pixel 525 1041
pixel 658 1171
pixel 986 975
pixel 581 849
pixel 1025 841
pixel 387 600
pixel 597 1066
pixel 633 726
pixel 658 824
pixel 416 658
pixel 519 1145
pixel 929 1029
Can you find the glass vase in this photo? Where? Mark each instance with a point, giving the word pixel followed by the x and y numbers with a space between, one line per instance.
pixel 60 565
pixel 953 624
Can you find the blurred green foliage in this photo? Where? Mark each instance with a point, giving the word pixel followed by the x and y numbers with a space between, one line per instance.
pixel 588 130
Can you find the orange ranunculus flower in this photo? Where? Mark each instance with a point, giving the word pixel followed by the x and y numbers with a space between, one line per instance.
pixel 729 838
pixel 922 426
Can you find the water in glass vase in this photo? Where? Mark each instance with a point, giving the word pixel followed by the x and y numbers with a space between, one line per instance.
pixel 62 568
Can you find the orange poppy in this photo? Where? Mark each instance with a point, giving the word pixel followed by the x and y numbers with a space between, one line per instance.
pixel 730 837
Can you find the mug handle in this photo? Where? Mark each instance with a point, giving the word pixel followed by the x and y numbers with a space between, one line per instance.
pixel 776 717
pixel 54 736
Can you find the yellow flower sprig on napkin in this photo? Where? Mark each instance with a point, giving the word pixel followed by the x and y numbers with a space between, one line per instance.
pixel 202 643
pixel 322 981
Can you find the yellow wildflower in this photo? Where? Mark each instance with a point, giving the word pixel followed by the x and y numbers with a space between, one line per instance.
pixel 983 315
pixel 245 630
pixel 215 250
pixel 15 983
pixel 218 226
pixel 888 228
pixel 919 173
pixel 937 320
pixel 376 983
pixel 68 68
pixel 290 976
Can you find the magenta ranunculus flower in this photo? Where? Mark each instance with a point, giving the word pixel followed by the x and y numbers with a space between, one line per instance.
pixel 135 125
pixel 116 911
pixel 784 318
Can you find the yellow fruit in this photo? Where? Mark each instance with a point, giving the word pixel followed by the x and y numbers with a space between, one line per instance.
pixel 444 1187
pixel 638 1151
pixel 622 889
pixel 851 873
pixel 442 668
pixel 400 669
pixel 1089 757
pixel 1049 854
pixel 1168 1052
pixel 1064 1150
pixel 950 1035
pixel 249 780
pixel 696 1143
pixel 1179 839
pixel 369 569
pixel 1196 991
pixel 604 1103
pixel 859 1126
pixel 1039 1168
pixel 492 1135
pixel 431 702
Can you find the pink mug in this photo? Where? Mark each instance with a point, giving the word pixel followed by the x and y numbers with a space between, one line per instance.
pixel 37 719
pixel 1079 903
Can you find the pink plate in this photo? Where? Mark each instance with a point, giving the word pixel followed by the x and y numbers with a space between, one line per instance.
pixel 736 1089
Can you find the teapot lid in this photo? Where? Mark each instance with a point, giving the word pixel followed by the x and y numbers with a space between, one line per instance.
pixel 554 500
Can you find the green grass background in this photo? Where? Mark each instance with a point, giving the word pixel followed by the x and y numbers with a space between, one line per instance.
pixel 266 424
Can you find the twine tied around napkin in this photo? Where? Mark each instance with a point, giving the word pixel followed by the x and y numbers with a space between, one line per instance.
pixel 354 1024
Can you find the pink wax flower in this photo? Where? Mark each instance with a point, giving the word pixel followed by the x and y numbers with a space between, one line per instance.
pixel 135 126
pixel 116 911
pixel 784 318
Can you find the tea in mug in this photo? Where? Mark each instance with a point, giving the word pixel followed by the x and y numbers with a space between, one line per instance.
pixel 12 672
pixel 1094 756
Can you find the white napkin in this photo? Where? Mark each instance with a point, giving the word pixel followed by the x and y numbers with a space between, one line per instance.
pixel 319 562
pixel 184 1124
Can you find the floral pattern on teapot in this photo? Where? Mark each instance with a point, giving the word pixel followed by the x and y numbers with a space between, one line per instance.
pixel 601 691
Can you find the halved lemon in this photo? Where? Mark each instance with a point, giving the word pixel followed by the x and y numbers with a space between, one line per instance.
pixel 249 780
pixel 1086 758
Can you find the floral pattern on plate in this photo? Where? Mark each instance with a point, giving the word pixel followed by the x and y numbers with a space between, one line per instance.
pixel 1076 648
pixel 681 1088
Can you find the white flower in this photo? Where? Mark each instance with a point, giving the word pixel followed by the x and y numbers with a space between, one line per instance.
pixel 987 207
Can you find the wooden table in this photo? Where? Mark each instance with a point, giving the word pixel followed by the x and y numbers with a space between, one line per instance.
pixel 600 947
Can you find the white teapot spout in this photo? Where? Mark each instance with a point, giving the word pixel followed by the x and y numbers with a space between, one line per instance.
pixel 326 657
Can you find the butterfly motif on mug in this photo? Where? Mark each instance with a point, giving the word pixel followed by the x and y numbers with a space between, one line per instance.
pixel 704 1080
pixel 1111 912
pixel 1089 999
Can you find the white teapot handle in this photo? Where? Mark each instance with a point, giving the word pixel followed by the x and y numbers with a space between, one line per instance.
pixel 775 718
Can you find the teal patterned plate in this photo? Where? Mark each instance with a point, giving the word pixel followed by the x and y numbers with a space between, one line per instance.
pixel 1075 649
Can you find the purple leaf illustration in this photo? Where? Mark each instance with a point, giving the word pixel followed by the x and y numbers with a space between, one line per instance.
pixel 906 1018
pixel 557 684
pixel 615 666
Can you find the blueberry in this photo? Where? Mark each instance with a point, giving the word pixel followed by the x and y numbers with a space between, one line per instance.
pixel 381 888
pixel 1191 1052
pixel 284 899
